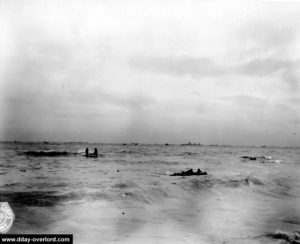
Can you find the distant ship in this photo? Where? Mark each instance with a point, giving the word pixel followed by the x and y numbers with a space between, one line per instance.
pixel 191 144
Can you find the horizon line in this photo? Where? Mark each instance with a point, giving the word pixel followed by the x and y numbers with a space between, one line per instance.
pixel 137 143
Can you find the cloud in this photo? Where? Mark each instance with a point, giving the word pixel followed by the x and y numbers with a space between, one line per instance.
pixel 268 34
pixel 246 108
pixel 130 101
pixel 262 67
pixel 293 100
pixel 183 65
pixel 287 69
pixel 245 100
pixel 129 70
pixel 206 67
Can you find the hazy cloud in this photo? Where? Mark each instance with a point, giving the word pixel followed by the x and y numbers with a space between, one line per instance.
pixel 179 65
pixel 203 67
pixel 245 100
pixel 287 69
pixel 266 34
pixel 262 67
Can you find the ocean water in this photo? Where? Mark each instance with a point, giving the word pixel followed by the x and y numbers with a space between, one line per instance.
pixel 127 195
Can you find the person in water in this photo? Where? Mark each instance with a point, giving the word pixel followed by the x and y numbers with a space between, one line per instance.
pixel 95 152
pixel 86 152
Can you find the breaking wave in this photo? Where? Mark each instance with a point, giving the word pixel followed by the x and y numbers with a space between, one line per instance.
pixel 261 159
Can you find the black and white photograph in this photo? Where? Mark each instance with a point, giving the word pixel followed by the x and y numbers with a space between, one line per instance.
pixel 138 121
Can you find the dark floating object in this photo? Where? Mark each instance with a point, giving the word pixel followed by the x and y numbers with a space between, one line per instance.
pixel 189 172
pixel 47 153
pixel 250 158
pixel 289 238
pixel 262 158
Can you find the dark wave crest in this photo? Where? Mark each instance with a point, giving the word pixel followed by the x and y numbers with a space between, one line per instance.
pixel 47 153
pixel 196 184
pixel 48 198
pixel 293 238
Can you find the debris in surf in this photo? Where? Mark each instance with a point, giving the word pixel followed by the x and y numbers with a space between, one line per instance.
pixel 257 157
pixel 189 173
pixel 250 158
pixel 293 238
pixel 261 159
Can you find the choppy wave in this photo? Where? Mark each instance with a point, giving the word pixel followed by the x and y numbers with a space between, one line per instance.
pixel 135 179
pixel 48 198
pixel 189 154
pixel 33 198
pixel 292 220
pixel 203 183
pixel 243 182
pixel 127 189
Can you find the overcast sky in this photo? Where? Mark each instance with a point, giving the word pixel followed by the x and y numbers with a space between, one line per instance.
pixel 214 72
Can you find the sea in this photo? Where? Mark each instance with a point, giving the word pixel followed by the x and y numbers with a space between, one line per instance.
pixel 128 194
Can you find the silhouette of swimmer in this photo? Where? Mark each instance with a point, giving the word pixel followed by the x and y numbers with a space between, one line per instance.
pixel 91 155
